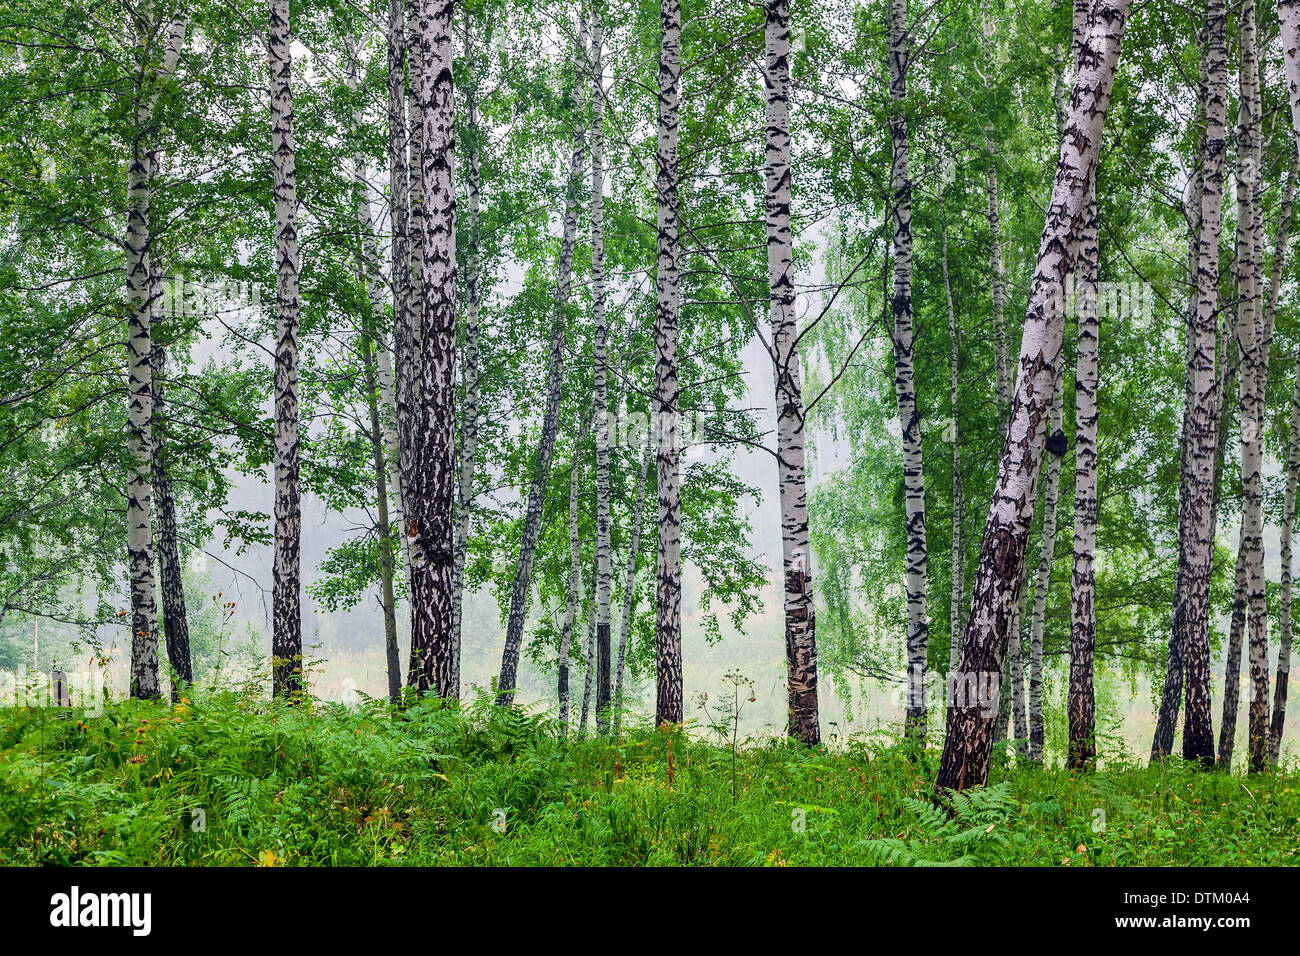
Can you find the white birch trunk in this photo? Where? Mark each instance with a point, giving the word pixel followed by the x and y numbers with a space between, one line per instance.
pixel 1196 510
pixel 669 704
pixel 431 479
pixel 1081 705
pixel 141 291
pixel 800 623
pixel 286 612
pixel 909 414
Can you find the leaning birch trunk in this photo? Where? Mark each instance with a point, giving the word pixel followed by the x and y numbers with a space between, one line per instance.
pixel 1196 511
pixel 1043 580
pixel 600 337
pixel 367 269
pixel 467 450
pixel 1081 705
pixel 669 704
pixel 431 481
pixel 551 416
pixel 957 604
pixel 968 745
pixel 141 290
pixel 1162 741
pixel 909 414
pixel 800 623
pixel 629 581
pixel 286 612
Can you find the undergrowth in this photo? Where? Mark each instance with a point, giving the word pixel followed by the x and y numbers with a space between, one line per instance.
pixel 232 780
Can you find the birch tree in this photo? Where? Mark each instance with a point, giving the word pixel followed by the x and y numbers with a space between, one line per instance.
pixel 800 623
pixel 1277 721
pixel 1253 339
pixel 140 293
pixel 1197 499
pixel 176 628
pixel 968 744
pixel 909 414
pixel 1171 694
pixel 286 612
pixel 1288 13
pixel 431 478
pixel 1081 703
pixel 669 704
pixel 1043 579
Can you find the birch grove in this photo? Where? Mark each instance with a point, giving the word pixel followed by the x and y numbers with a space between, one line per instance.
pixel 443 394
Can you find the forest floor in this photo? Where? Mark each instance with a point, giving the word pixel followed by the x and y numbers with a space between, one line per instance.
pixel 230 780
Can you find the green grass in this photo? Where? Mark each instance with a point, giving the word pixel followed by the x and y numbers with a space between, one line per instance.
pixel 320 784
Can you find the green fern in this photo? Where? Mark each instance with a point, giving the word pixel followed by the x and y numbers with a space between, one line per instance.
pixel 977 818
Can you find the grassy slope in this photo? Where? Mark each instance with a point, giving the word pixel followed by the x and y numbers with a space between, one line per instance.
pixel 318 784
